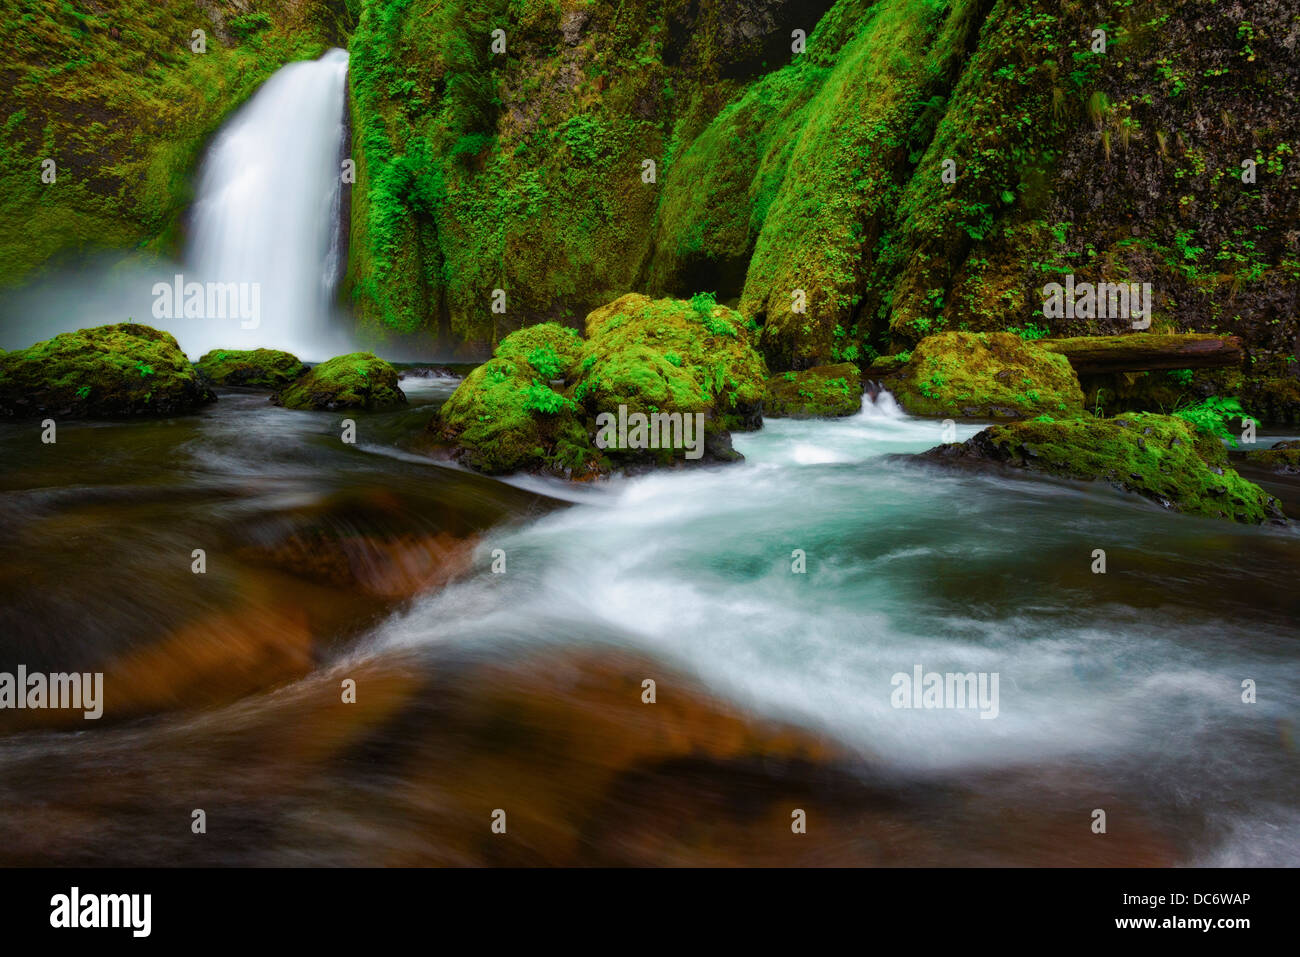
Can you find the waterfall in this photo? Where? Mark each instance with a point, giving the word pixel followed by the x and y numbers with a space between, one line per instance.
pixel 267 211
pixel 264 231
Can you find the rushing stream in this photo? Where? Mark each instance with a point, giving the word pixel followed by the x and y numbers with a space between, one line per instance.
pixel 520 689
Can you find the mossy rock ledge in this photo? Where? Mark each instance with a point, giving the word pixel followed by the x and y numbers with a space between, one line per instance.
pixel 986 375
pixel 358 380
pixel 1282 457
pixel 1159 457
pixel 126 369
pixel 828 391
pixel 537 405
pixel 251 368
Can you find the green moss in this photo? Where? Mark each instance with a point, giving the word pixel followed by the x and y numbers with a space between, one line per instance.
pixel 646 355
pixel 986 375
pixel 359 380
pixel 500 422
pixel 673 356
pixel 552 349
pixel 1159 457
pixel 115 96
pixel 819 392
pixel 1282 457
pixel 252 368
pixel 846 167
pixel 108 371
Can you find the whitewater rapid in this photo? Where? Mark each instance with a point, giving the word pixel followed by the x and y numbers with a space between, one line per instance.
pixel 907 565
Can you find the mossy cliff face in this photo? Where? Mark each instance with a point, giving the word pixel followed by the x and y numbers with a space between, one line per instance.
pixel 525 170
pixel 919 167
pixel 1156 456
pixel 538 404
pixel 987 375
pixel 116 96
pixel 250 368
pixel 105 372
pixel 819 392
pixel 359 380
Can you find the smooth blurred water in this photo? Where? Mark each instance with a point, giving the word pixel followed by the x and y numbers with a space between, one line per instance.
pixel 267 209
pixel 1119 690
pixel 1137 671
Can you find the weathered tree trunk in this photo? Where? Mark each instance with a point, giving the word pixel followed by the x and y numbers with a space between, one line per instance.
pixel 1142 352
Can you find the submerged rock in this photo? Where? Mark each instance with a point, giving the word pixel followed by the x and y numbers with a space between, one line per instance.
pixel 819 392
pixel 105 372
pixel 1159 457
pixel 1282 457
pixel 358 380
pixel 986 375
pixel 668 377
pixel 252 368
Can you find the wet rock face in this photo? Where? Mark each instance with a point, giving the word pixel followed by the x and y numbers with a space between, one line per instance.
pixel 1156 456
pixel 250 368
pixel 359 380
pixel 820 392
pixel 106 372
pixel 993 375
pixel 1157 187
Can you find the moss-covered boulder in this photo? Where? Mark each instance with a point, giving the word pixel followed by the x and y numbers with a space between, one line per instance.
pixel 671 355
pixel 1159 457
pixel 541 405
pixel 358 380
pixel 105 372
pixel 550 348
pixel 986 375
pixel 819 392
pixel 504 417
pixel 251 368
pixel 1281 457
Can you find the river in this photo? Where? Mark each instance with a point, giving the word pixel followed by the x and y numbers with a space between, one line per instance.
pixel 521 689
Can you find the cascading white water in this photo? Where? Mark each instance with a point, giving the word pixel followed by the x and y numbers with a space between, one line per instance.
pixel 267 211
pixel 267 216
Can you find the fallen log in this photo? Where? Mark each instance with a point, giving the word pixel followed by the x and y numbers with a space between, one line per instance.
pixel 1144 352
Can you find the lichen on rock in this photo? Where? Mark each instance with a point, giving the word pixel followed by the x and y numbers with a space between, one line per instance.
pixel 124 369
pixel 358 380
